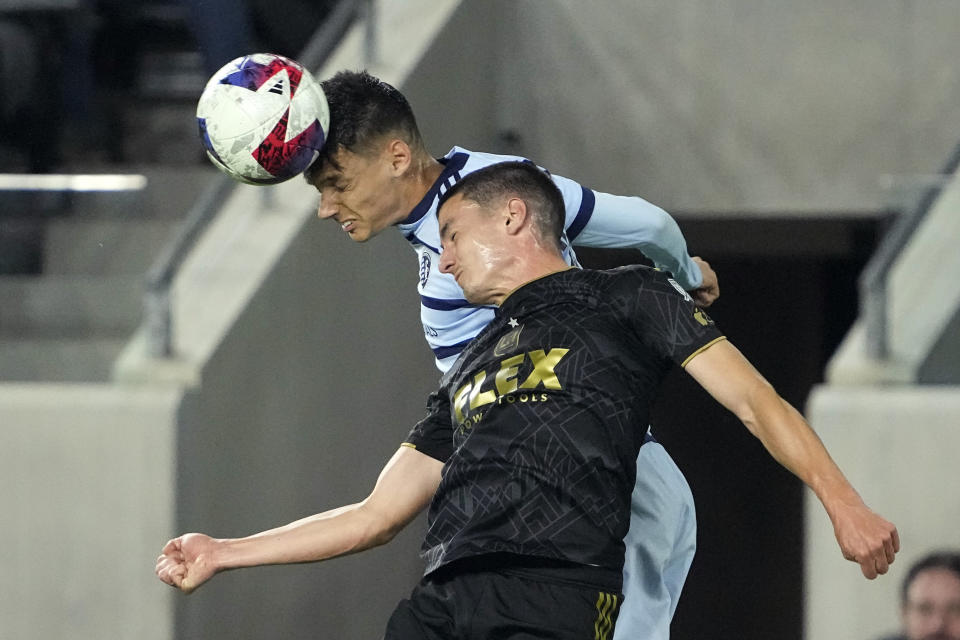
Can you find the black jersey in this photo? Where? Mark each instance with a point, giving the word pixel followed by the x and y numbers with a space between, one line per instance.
pixel 540 420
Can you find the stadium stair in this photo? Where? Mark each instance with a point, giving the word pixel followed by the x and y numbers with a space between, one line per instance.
pixel 69 322
pixel 923 311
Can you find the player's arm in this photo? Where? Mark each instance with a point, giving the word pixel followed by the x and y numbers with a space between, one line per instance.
pixel 404 488
pixel 632 222
pixel 864 536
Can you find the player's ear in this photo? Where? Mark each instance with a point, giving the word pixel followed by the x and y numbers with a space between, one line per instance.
pixel 515 215
pixel 399 155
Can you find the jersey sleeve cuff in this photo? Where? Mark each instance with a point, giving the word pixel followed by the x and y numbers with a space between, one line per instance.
pixel 701 350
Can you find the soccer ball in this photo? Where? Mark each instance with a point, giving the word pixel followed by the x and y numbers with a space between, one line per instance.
pixel 263 118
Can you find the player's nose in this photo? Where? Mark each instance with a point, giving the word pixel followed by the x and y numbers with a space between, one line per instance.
pixel 327 207
pixel 446 261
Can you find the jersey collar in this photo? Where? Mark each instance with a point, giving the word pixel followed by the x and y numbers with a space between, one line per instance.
pixel 536 293
pixel 452 165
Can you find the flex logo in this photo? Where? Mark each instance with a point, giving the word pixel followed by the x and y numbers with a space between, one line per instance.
pixel 479 392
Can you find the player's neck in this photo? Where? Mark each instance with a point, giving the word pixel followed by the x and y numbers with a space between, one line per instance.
pixel 430 170
pixel 425 171
pixel 529 268
pixel 420 176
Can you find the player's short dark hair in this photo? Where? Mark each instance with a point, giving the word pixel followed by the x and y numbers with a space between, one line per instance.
pixel 949 560
pixel 494 183
pixel 363 109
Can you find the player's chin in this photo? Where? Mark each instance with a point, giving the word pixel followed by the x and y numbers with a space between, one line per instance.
pixel 360 235
pixel 472 294
pixel 359 232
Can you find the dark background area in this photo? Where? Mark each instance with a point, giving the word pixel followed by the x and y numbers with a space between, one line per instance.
pixel 786 311
pixel 84 80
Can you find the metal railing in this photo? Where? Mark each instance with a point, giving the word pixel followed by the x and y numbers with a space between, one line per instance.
pixel 73 182
pixel 873 281
pixel 157 304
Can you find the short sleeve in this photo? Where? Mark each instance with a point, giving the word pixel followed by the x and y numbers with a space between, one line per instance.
pixel 668 320
pixel 433 435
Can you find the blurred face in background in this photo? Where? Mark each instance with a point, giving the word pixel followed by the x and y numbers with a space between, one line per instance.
pixel 932 608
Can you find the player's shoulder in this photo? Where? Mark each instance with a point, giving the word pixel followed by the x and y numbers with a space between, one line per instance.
pixel 630 274
pixel 635 279
pixel 474 160
pixel 479 159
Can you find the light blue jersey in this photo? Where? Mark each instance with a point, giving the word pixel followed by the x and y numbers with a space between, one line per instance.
pixel 593 219
pixel 662 537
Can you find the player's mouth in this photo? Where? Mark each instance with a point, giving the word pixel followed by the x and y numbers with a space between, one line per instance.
pixel 348 226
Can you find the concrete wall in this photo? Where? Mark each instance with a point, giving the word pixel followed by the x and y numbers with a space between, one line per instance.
pixel 733 104
pixel 87 477
pixel 455 88
pixel 898 446
pixel 941 366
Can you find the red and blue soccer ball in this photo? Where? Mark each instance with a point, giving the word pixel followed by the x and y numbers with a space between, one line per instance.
pixel 263 118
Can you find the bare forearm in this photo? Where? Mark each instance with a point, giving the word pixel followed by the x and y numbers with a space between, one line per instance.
pixel 790 440
pixel 326 535
pixel 404 488
pixel 864 536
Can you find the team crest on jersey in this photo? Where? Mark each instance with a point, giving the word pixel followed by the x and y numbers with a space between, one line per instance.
pixel 701 317
pixel 509 342
pixel 424 267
